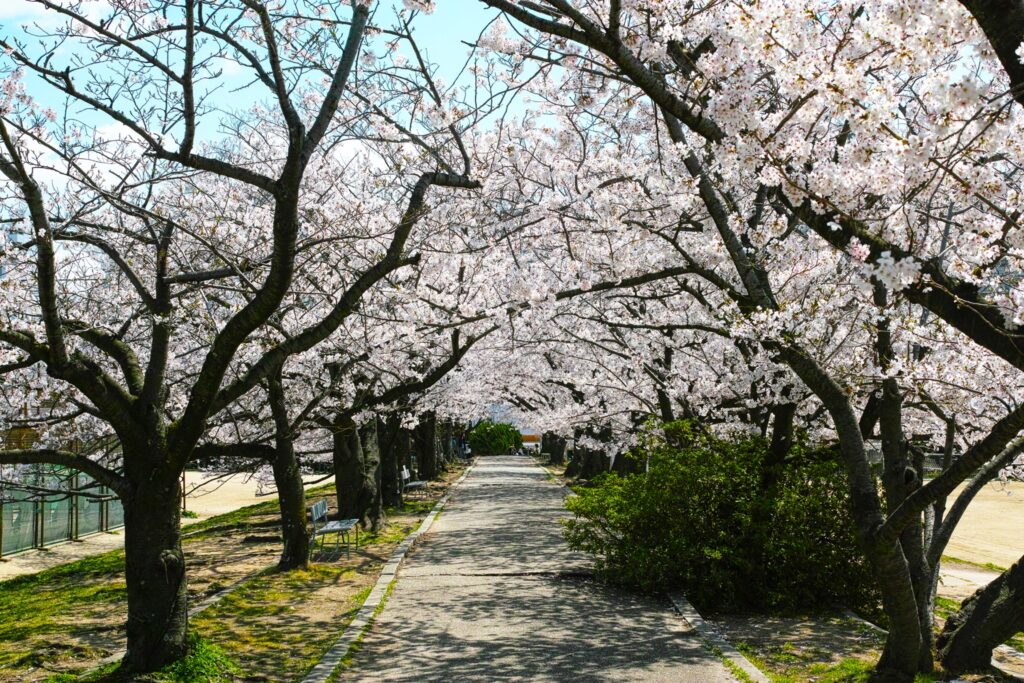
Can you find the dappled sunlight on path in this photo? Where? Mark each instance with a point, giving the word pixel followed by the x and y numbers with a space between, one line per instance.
pixel 493 593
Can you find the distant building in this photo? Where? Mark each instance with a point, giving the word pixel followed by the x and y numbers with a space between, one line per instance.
pixel 531 442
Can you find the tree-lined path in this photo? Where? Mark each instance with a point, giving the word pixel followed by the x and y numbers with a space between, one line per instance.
pixel 493 593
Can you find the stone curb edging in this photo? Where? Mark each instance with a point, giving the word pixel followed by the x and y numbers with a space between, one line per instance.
pixel 356 628
pixel 1005 649
pixel 695 620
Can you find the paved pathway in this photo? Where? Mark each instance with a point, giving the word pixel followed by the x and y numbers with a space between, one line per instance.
pixel 493 594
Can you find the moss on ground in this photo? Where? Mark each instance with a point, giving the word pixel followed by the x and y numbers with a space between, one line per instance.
pixel 38 605
pixel 980 565
pixel 277 624
pixel 268 625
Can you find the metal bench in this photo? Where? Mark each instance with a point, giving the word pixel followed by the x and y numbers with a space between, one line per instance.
pixel 407 484
pixel 322 527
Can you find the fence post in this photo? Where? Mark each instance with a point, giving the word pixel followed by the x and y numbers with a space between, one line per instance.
pixel 104 515
pixel 69 483
pixel 73 509
pixel 39 522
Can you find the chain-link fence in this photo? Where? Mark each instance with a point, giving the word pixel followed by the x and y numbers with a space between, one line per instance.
pixel 50 505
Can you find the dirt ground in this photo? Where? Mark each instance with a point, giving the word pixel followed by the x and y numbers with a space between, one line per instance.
pixel 87 632
pixel 804 648
pixel 276 625
pixel 214 493
pixel 990 530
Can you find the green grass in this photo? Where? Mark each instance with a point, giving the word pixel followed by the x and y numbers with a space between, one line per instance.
pixel 237 520
pixel 848 670
pixel 39 611
pixel 204 663
pixel 980 565
pixel 736 671
pixel 38 604
pixel 945 607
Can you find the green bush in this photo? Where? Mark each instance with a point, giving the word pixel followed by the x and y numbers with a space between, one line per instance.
pixel 702 519
pixel 204 663
pixel 494 438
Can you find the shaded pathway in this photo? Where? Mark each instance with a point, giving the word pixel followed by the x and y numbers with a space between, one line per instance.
pixel 493 593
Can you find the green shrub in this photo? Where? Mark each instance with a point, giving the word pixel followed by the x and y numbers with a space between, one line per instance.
pixel 494 438
pixel 702 519
pixel 204 663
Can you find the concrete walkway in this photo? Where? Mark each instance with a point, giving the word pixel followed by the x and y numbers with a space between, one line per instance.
pixel 493 594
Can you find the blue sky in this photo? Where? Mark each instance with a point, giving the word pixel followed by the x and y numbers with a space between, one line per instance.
pixel 441 34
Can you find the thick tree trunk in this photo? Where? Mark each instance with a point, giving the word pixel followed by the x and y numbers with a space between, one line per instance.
pixel 624 464
pixel 290 490
pixel 356 473
pixel 989 617
pixel 154 571
pixel 372 474
pixel 554 446
pixel 447 443
pixel 899 479
pixel 291 496
pixel 593 463
pixel 573 468
pixel 390 435
pixel 901 655
pixel 426 446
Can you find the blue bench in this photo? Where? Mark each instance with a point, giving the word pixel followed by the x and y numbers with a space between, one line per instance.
pixel 340 527
pixel 408 484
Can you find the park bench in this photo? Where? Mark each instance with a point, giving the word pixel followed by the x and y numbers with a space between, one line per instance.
pixel 408 484
pixel 322 527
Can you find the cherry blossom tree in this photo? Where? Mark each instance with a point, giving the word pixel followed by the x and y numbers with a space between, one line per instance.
pixel 143 309
pixel 780 131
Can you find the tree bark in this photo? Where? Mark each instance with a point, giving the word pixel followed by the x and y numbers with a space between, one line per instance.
pixel 392 455
pixel 291 493
pixel 291 496
pixel 901 655
pixel 554 446
pixel 426 446
pixel 154 571
pixel 355 472
pixel 375 517
pixel 991 616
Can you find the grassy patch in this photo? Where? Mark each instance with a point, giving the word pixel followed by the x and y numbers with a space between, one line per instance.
pixel 241 519
pixel 274 623
pixel 204 663
pixel 945 607
pixel 57 600
pixel 277 625
pixel 798 670
pixel 980 565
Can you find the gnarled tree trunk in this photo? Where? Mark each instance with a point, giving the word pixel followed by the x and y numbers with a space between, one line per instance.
pixel 426 446
pixel 290 490
pixel 394 449
pixel 291 496
pixel 154 569
pixel 357 472
pixel 554 446
pixel 991 616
